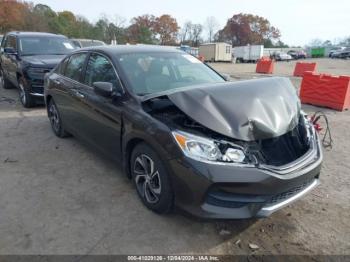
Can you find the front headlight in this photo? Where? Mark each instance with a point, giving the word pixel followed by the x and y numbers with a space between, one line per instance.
pixel 204 149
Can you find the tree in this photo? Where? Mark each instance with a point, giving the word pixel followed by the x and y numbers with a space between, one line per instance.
pixel 316 42
pixel 166 28
pixel 142 29
pixel 243 29
pixel 345 42
pixel 211 25
pixel 197 30
pixel 191 34
pixel 13 15
pixel 186 31
pixel 44 18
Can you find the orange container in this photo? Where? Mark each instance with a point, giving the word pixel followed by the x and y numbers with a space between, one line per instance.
pixel 301 68
pixel 326 90
pixel 265 66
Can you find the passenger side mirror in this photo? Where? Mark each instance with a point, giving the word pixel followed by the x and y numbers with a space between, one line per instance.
pixel 10 51
pixel 104 89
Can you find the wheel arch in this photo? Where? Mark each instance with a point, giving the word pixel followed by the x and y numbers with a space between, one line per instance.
pixel 130 145
pixel 47 101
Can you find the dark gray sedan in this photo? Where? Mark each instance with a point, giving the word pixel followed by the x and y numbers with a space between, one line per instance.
pixel 183 134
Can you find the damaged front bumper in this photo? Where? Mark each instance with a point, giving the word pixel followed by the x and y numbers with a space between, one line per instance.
pixel 243 191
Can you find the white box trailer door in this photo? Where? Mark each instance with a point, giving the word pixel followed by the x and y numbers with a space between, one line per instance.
pixel 223 52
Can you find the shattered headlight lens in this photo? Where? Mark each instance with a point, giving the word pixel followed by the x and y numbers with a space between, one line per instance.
pixel 204 149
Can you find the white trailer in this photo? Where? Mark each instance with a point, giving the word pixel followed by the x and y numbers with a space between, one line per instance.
pixel 249 53
pixel 216 52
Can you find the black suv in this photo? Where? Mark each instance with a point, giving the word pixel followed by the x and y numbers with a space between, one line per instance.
pixel 26 57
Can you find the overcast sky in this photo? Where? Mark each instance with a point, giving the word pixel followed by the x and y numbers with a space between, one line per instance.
pixel 300 21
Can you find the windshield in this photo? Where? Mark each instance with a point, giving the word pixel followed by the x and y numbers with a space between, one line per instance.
pixel 150 73
pixel 45 46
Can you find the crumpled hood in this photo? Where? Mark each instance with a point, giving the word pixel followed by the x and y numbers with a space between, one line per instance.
pixel 244 110
pixel 49 61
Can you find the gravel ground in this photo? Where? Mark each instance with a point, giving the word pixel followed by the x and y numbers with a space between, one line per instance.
pixel 60 197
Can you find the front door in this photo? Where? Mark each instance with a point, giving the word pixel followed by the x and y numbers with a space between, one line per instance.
pixel 102 116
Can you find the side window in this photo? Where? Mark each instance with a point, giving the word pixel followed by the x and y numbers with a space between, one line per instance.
pixel 99 69
pixel 75 66
pixel 62 66
pixel 11 42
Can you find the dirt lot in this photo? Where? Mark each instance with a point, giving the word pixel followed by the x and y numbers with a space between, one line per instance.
pixel 60 197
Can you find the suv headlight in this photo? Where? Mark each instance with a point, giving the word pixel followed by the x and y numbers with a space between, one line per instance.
pixel 204 149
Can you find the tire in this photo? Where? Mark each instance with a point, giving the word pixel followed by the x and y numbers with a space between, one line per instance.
pixel 55 120
pixel 26 99
pixel 4 83
pixel 152 184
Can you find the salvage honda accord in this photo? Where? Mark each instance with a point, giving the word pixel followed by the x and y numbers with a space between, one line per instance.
pixel 183 134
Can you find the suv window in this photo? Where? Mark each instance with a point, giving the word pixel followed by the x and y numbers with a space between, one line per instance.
pixel 11 41
pixel 75 66
pixel 99 69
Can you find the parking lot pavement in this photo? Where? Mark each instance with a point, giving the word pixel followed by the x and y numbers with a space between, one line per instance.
pixel 58 196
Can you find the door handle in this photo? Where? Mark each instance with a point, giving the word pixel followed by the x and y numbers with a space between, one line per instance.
pixel 78 94
pixel 57 82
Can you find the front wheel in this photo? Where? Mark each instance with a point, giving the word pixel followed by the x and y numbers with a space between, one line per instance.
pixel 151 179
pixel 4 83
pixel 24 96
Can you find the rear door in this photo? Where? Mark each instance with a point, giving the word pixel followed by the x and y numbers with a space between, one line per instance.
pixel 67 94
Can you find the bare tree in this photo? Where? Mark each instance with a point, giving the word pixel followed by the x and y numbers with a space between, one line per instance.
pixel 185 31
pixel 211 25
pixel 196 34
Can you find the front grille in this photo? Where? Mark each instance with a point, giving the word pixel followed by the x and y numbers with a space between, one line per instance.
pixel 39 89
pixel 38 73
pixel 288 194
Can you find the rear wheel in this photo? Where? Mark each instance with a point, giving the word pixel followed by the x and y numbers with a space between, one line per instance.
pixel 4 83
pixel 151 179
pixel 24 96
pixel 55 120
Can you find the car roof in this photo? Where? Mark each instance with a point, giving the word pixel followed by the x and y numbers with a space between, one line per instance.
pixel 126 49
pixel 19 33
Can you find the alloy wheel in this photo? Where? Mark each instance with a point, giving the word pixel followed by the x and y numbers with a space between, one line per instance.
pixel 54 118
pixel 147 179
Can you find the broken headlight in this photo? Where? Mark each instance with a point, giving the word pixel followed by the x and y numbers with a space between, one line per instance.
pixel 204 149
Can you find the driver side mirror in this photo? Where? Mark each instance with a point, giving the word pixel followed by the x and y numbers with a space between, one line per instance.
pixel 106 89
pixel 10 51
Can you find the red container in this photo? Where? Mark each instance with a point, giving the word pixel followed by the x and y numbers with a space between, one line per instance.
pixel 326 90
pixel 301 68
pixel 265 66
